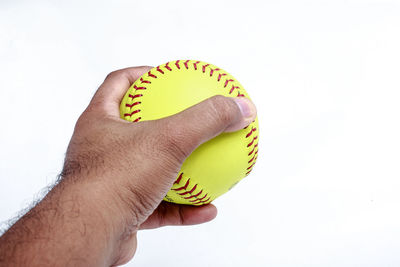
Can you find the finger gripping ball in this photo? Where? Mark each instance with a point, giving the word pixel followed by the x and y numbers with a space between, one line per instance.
pixel 215 166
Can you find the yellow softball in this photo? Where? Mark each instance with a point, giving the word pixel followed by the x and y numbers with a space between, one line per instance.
pixel 215 166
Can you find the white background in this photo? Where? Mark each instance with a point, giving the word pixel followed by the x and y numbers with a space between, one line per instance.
pixel 325 76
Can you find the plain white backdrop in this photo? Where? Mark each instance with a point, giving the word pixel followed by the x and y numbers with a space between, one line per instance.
pixel 325 76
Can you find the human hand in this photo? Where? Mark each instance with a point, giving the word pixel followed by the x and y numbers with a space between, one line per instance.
pixel 143 159
pixel 125 169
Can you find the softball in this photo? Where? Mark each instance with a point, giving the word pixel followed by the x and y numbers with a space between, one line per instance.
pixel 215 166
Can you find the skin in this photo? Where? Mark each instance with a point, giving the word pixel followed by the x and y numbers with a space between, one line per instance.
pixel 114 178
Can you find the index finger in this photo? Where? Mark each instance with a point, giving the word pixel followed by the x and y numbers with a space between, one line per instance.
pixel 110 93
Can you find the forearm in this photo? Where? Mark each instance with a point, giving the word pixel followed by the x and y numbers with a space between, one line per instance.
pixel 67 228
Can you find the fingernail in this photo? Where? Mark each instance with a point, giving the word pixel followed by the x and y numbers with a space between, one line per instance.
pixel 247 108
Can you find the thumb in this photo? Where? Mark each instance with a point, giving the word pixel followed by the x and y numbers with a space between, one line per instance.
pixel 190 128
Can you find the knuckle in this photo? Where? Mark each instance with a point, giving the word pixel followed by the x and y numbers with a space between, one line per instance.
pixel 114 74
pixel 222 109
pixel 169 141
pixel 82 121
pixel 87 119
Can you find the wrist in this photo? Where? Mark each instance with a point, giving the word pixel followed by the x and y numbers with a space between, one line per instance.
pixel 103 205
pixel 110 209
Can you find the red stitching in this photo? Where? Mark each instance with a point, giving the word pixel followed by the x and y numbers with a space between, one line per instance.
pixel 183 187
pixel 240 95
pixel 152 75
pixel 135 96
pixel 139 87
pixel 192 196
pixel 183 190
pixel 179 178
pixel 252 141
pixel 204 67
pixel 195 64
pixel 212 71
pixel 199 198
pixel 255 154
pixel 168 67
pixel 189 192
pixel 233 88
pixel 160 70
pixel 205 201
pixel 251 152
pixel 144 81
pixel 138 119
pixel 133 112
pixel 227 81
pixel 177 64
pixel 253 129
pixel 251 166
pixel 133 104
pixel 186 64
pixel 220 76
pixel 202 201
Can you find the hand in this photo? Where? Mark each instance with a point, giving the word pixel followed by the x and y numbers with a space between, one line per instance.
pixel 120 171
